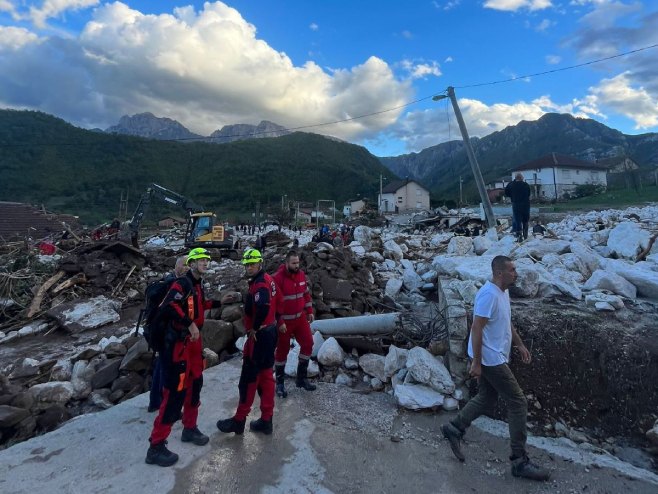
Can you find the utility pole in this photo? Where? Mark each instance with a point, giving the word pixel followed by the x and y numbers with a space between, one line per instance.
pixel 381 180
pixel 488 210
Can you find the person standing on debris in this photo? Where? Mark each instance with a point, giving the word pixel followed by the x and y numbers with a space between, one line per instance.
pixel 155 395
pixel 519 193
pixel 489 345
pixel 182 360
pixel 296 316
pixel 260 310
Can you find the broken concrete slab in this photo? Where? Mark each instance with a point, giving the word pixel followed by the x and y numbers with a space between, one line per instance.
pixel 76 316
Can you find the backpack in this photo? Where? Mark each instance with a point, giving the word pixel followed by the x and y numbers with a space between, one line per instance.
pixel 154 322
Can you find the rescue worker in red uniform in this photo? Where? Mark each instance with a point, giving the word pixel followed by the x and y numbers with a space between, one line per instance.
pixel 295 318
pixel 182 360
pixel 258 354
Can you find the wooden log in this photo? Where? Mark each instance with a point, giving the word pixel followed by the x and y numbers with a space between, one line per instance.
pixel 38 298
pixel 78 278
pixel 643 255
pixel 119 287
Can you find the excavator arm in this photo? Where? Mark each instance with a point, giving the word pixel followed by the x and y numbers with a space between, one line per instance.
pixel 155 190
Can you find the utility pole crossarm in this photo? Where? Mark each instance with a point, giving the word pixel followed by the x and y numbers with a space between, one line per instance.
pixel 484 197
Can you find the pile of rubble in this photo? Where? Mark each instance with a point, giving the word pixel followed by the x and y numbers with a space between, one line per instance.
pixel 588 261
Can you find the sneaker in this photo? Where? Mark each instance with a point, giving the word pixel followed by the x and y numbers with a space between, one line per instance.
pixel 454 437
pixel 524 468
pixel 231 425
pixel 281 390
pixel 260 425
pixel 158 454
pixel 194 436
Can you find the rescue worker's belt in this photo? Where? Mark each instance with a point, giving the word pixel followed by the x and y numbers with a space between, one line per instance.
pixel 293 297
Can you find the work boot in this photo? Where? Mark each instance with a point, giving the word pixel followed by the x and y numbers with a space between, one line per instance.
pixel 194 436
pixel 454 437
pixel 260 425
pixel 301 381
pixel 524 468
pixel 280 376
pixel 158 454
pixel 231 425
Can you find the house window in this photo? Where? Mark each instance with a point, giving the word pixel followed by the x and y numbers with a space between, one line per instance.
pixel 577 172
pixel 399 198
pixel 419 192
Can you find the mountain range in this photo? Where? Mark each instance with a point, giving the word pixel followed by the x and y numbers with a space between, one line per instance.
pixel 160 128
pixel 440 167
pixel 45 160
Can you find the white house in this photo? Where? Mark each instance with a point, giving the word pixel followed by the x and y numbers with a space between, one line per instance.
pixel 354 206
pixel 403 195
pixel 554 175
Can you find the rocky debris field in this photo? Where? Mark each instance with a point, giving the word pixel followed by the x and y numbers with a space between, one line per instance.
pixel 583 304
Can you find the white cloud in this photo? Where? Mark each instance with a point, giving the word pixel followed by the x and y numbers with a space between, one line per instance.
pixel 544 25
pixel 14 38
pixel 635 103
pixel 421 70
pixel 407 34
pixel 313 26
pixel 421 129
pixel 7 6
pixel 448 59
pixel 53 8
pixel 514 5
pixel 553 59
pixel 204 69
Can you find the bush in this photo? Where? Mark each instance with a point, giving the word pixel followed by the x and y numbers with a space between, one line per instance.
pixel 586 190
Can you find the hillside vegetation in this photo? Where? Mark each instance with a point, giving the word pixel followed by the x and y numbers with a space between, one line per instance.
pixel 45 160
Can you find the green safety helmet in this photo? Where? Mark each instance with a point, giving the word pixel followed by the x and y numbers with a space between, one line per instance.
pixel 251 256
pixel 198 253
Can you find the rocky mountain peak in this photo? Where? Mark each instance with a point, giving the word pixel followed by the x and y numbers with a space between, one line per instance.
pixel 152 127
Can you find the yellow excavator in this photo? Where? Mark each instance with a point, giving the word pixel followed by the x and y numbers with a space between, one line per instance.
pixel 203 229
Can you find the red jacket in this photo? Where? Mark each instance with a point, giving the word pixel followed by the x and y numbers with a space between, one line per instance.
pixel 262 302
pixel 296 294
pixel 185 302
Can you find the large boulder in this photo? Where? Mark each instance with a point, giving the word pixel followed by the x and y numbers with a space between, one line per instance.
pixel 604 280
pixel 331 354
pixel 481 244
pixel 81 379
pixel 392 250
pixel 539 247
pixel 639 274
pixel 217 335
pixel 424 368
pixel 393 287
pixel 62 370
pixel 628 239
pixel 77 316
pixel 475 268
pixel 417 397
pixel 373 365
pixel 527 283
pixel 366 237
pixel 48 394
pixel 396 359
pixel 107 372
pixel 460 246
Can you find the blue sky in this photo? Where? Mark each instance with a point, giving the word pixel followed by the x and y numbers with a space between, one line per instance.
pixel 300 63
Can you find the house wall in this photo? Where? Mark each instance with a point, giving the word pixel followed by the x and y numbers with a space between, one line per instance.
pixel 543 181
pixel 357 206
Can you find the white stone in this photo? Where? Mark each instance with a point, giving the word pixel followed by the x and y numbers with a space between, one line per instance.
pixel 393 287
pixel 587 255
pixel 375 256
pixel 652 434
pixel 607 280
pixel 538 248
pixel 292 361
pixel 81 379
pixel 358 249
pixel 430 276
pixel 33 328
pixel 527 283
pixel 240 343
pixel 417 397
pixel 318 340
pixel 481 245
pixel 331 354
pixel 639 274
pixel 475 268
pixel 351 363
pixel 604 307
pixel 27 367
pixel 426 369
pixel 344 379
pixel 376 384
pixel 373 365
pixel 628 239
pixel 502 247
pixel 62 370
pixel 450 404
pixel 446 265
pixel 574 263
pixel 92 313
pixel 396 359
pixel 460 246
pixel 48 394
pixel 597 297
pixel 411 280
pixel 467 289
pixel 392 250
pixel 440 239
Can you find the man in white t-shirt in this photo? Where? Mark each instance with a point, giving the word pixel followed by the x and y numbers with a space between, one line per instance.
pixel 489 345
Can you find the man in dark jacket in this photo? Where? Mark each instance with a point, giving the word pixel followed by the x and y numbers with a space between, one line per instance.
pixel 295 317
pixel 182 360
pixel 519 192
pixel 260 310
